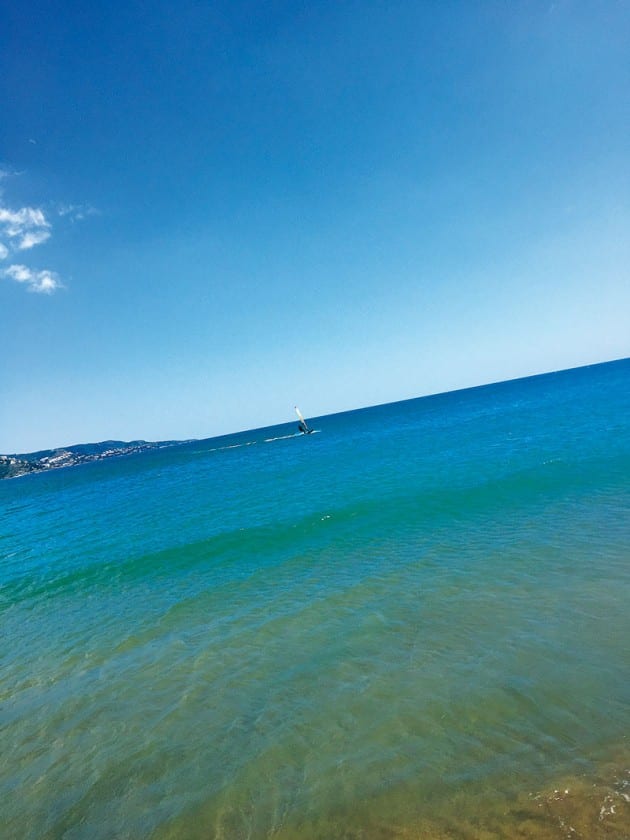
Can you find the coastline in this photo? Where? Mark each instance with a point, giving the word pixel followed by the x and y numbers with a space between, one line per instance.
pixel 19 465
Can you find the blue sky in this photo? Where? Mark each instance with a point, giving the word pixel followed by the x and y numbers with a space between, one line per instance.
pixel 212 211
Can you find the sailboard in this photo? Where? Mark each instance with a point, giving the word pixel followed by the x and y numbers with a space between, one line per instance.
pixel 302 425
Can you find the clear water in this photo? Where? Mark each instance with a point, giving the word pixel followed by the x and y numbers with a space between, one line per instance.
pixel 412 623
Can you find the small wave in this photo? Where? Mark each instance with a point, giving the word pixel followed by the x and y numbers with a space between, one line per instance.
pixel 229 446
pixel 288 437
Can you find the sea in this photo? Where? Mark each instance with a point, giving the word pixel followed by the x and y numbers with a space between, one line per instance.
pixel 413 623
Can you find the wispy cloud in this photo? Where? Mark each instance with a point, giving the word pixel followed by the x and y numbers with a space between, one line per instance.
pixel 6 173
pixel 22 230
pixel 44 282
pixel 76 212
pixel 25 227
pixel 33 237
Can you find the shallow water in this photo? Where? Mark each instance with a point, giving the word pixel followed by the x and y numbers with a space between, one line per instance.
pixel 411 624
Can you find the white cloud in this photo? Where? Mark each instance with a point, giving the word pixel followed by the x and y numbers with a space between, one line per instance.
pixel 28 226
pixel 44 282
pixel 33 237
pixel 24 216
pixel 22 230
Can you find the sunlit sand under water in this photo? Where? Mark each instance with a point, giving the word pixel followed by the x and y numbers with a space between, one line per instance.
pixel 413 624
pixel 593 806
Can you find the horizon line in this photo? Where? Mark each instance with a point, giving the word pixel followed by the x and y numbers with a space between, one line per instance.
pixel 178 441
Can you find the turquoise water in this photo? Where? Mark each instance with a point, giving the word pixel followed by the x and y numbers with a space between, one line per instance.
pixel 403 625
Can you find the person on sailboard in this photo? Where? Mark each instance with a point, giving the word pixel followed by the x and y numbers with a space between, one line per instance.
pixel 302 425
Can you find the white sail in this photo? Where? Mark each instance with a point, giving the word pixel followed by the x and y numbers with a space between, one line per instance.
pixel 299 414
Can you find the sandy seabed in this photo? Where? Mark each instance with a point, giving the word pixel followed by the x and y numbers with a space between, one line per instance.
pixel 576 810
pixel 594 805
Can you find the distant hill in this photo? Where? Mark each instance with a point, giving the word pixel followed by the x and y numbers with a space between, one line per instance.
pixel 12 466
